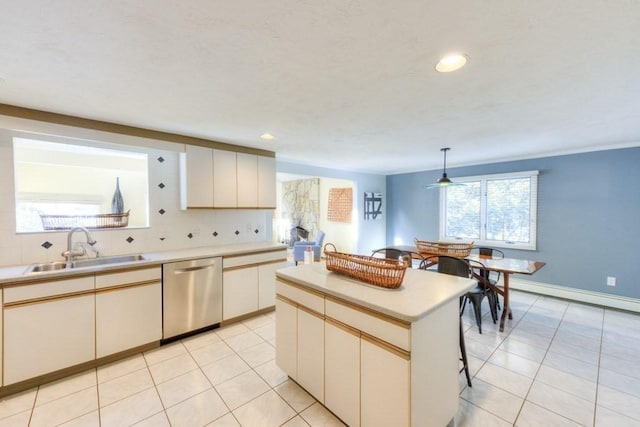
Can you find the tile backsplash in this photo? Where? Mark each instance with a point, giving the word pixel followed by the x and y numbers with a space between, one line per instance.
pixel 169 227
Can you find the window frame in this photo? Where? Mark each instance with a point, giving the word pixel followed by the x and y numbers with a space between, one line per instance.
pixel 483 241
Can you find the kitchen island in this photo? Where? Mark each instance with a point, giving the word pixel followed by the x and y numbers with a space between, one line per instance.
pixel 372 356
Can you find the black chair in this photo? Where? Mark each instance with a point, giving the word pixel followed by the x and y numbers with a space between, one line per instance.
pixel 477 294
pixel 482 290
pixel 393 253
pixel 455 267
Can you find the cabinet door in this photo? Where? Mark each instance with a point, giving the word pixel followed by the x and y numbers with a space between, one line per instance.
pixel 266 182
pixel 224 179
pixel 136 310
pixel 311 353
pixel 342 372
pixel 247 175
pixel 43 337
pixel 267 283
pixel 384 385
pixel 287 338
pixel 239 292
pixel 199 176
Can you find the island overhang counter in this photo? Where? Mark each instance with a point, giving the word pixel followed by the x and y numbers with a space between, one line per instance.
pixel 372 356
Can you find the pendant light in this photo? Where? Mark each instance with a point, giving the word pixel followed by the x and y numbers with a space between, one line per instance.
pixel 444 181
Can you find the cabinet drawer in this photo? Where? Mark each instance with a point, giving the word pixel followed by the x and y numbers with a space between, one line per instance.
pixel 300 296
pixel 48 289
pixel 390 330
pixel 258 258
pixel 128 277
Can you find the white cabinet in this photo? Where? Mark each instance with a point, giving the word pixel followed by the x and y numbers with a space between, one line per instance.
pixel 287 337
pixel 267 283
pixel 385 386
pixel 362 378
pixel 342 371
pixel 130 301
pixel 48 327
pixel 214 178
pixel 224 179
pixel 199 176
pixel 239 292
pixel 266 182
pixel 248 282
pixel 247 178
pixel 311 352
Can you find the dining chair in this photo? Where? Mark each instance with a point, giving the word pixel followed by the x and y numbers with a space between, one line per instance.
pixel 485 251
pixel 393 253
pixel 477 294
pixel 454 267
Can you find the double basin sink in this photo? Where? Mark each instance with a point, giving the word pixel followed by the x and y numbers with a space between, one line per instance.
pixel 91 262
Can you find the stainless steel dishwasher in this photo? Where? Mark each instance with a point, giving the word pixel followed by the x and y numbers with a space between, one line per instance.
pixel 191 296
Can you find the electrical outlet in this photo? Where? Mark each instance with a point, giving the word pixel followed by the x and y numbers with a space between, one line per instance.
pixel 611 281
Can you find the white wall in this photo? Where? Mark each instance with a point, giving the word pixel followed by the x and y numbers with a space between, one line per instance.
pixel 172 229
pixel 341 234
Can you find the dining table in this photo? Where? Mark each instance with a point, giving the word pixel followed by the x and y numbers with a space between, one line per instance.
pixel 505 266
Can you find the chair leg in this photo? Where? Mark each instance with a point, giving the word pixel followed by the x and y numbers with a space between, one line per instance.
pixel 463 352
pixel 491 297
pixel 476 302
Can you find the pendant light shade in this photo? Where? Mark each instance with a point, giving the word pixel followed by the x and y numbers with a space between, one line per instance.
pixel 444 181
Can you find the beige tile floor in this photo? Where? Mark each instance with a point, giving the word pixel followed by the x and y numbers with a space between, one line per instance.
pixel 557 364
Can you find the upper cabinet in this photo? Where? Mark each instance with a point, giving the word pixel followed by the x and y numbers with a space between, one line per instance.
pixel 198 174
pixel 214 178
pixel 225 180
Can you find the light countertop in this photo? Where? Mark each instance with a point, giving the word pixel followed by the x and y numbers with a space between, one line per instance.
pixel 420 293
pixel 16 274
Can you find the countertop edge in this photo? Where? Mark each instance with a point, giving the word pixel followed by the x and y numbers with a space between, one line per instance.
pixel 460 287
pixel 16 274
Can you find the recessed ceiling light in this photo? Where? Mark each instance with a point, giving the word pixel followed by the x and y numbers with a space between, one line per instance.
pixel 451 62
pixel 267 136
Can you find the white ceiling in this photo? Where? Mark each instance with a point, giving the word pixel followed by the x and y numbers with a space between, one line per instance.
pixel 346 84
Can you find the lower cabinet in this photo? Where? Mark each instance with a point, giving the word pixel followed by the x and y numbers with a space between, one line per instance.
pixel 42 337
pixel 136 310
pixel 385 386
pixel 58 324
pixel 311 352
pixel 267 283
pixel 239 292
pixel 248 282
pixel 362 379
pixel 287 337
pixel 342 371
pixel 128 301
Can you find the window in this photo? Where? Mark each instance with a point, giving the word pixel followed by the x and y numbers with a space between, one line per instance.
pixel 55 176
pixel 492 210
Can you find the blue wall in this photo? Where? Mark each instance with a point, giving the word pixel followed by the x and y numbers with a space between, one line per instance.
pixel 371 234
pixel 588 216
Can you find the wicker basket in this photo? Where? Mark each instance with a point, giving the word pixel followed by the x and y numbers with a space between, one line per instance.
pixel 65 222
pixel 383 272
pixel 459 250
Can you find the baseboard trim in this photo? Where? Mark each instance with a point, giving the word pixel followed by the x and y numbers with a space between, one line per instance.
pixel 574 294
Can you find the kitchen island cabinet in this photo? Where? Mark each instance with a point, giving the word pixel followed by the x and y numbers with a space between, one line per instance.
pixel 373 356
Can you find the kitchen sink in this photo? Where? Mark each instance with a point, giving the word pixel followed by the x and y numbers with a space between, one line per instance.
pixel 49 266
pixel 91 262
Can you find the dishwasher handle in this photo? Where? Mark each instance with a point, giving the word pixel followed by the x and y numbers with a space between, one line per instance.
pixel 190 269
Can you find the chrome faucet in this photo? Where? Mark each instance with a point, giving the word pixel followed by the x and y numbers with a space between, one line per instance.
pixel 70 252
